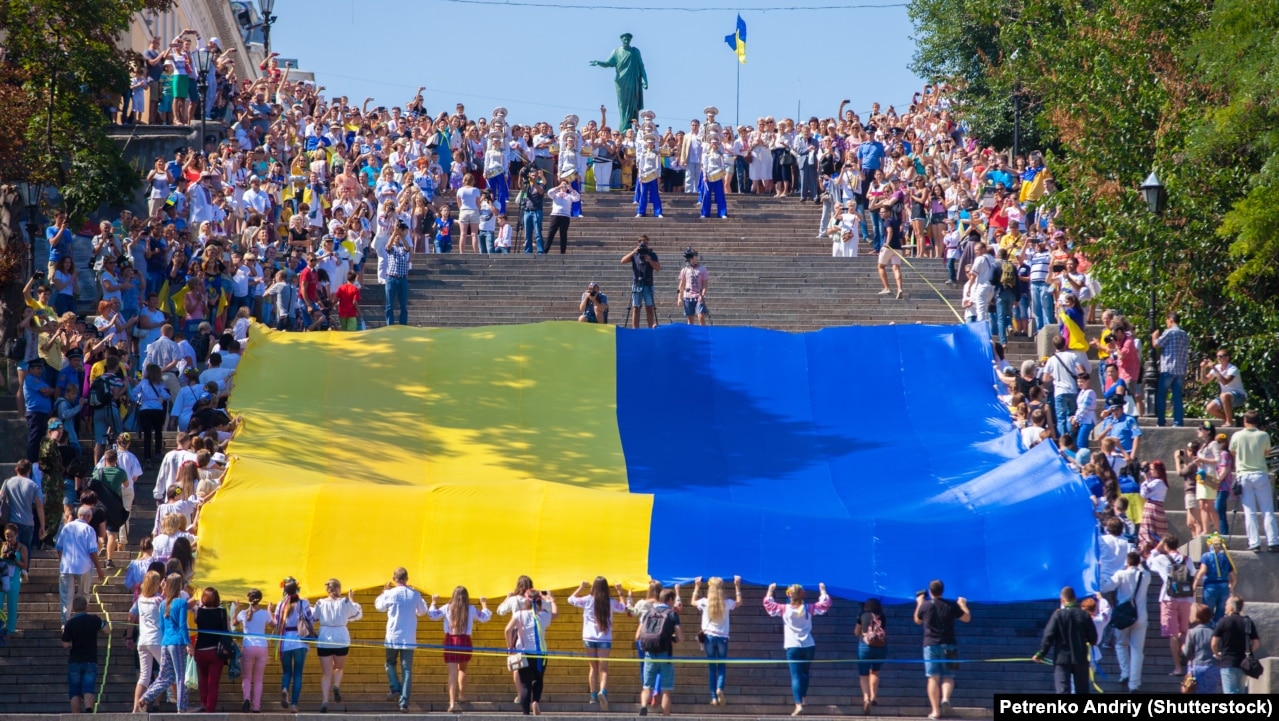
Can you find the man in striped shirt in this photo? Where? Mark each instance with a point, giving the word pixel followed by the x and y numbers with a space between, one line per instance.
pixel 1174 355
pixel 1041 293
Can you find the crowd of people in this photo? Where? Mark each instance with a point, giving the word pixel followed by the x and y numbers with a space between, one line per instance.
pixel 276 222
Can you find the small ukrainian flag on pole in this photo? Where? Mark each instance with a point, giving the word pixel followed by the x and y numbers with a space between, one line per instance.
pixel 737 41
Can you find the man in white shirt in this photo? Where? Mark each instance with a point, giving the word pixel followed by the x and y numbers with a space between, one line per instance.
pixel 1131 584
pixel 255 200
pixel 1062 370
pixel 200 197
pixel 77 555
pixel 983 268
pixel 1113 555
pixel 402 604
pixel 1232 395
pixel 173 460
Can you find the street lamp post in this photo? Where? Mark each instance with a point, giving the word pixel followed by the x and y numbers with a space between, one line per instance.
pixel 266 6
pixel 31 193
pixel 1156 196
pixel 202 60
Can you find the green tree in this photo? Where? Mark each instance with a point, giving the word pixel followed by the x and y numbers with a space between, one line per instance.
pixel 62 65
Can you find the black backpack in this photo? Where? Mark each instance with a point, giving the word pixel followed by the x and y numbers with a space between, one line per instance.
pixel 1180 580
pixel 100 392
pixel 653 636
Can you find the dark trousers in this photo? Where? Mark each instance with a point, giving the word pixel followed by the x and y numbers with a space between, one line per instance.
pixel 1063 675
pixel 151 423
pixel 37 425
pixel 559 223
pixel 531 683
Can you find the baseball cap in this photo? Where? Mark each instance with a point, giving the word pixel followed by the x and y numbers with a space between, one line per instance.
pixel 54 424
pixel 592 284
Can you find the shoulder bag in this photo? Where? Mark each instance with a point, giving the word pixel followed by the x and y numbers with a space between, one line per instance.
pixel 1251 667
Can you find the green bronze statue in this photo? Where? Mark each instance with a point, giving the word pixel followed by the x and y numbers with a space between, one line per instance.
pixel 631 80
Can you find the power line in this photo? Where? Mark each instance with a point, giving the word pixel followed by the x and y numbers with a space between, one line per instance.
pixel 561 6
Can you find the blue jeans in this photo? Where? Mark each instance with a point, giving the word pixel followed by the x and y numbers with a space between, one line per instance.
pixel 716 647
pixel 1041 304
pixel 533 231
pixel 1232 681
pixel 952 266
pixel 1215 595
pixel 798 659
pixel 1222 504
pixel 878 224
pixel 486 241
pixel 291 679
pixel 1082 433
pixel 401 678
pixel 1063 410
pixel 397 293
pixel 1004 300
pixel 443 245
pixel 11 604
pixel 741 169
pixel 1169 381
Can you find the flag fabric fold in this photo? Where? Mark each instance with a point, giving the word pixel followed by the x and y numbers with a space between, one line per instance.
pixel 737 41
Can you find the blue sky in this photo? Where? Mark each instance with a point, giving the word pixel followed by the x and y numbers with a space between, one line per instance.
pixel 534 60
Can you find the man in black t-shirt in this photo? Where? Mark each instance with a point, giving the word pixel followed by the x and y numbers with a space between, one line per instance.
pixel 80 634
pixel 1232 641
pixel 938 616
pixel 891 252
pixel 643 263
pixel 659 671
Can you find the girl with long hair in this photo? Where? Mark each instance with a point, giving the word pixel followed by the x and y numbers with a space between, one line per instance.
pixel 526 632
pixel 289 613
pixel 184 554
pixel 253 622
pixel 333 613
pixel 459 618
pixel 512 604
pixel 714 635
pixel 145 615
pixel 211 621
pixel 174 638
pixel 597 632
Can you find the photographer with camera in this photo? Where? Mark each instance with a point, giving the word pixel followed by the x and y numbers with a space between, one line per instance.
pixel 594 305
pixel 532 203
pixel 643 263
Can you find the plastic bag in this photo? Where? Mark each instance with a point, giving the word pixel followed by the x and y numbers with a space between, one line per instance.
pixel 191 679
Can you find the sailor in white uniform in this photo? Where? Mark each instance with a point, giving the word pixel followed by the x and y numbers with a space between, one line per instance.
pixel 648 163
pixel 715 168
pixel 495 170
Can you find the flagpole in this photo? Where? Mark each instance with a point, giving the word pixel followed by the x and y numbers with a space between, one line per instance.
pixel 738 112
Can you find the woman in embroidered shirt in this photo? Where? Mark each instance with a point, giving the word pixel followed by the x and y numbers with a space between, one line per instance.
pixel 597 632
pixel 333 613
pixel 459 618
pixel 714 635
pixel 797 626
pixel 1154 520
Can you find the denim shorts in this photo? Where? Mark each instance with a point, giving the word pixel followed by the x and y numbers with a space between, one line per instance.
pixel 933 655
pixel 1239 397
pixel 82 678
pixel 641 295
pixel 695 306
pixel 659 670
pixel 598 645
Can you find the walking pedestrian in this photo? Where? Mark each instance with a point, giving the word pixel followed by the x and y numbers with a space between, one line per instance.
pixel 872 649
pixel 402 604
pixel 597 632
pixel 1069 634
pixel 938 615
pixel 715 611
pixel 459 618
pixel 797 633
pixel 333 643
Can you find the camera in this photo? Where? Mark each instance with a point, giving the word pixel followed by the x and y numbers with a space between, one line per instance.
pixel 38 274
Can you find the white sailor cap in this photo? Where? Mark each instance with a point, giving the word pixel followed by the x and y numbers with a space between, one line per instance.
pixel 648 114
pixel 499 112
pixel 568 174
pixel 651 136
pixel 495 135
pixel 710 110
pixel 570 119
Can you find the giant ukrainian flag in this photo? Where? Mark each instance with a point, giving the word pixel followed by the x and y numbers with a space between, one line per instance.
pixel 872 459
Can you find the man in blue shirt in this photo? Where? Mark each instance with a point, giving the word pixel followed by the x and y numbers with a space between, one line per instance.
pixel 59 237
pixel 1124 428
pixel 39 404
pixel 998 176
pixel 870 156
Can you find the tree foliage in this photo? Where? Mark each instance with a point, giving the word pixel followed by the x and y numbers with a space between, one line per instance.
pixel 1123 86
pixel 62 68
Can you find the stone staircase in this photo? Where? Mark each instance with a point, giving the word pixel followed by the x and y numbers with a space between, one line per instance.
pixel 766 270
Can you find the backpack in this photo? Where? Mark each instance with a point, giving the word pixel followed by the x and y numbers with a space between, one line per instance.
pixel 653 636
pixel 1008 275
pixel 1180 580
pixel 99 392
pixel 874 635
